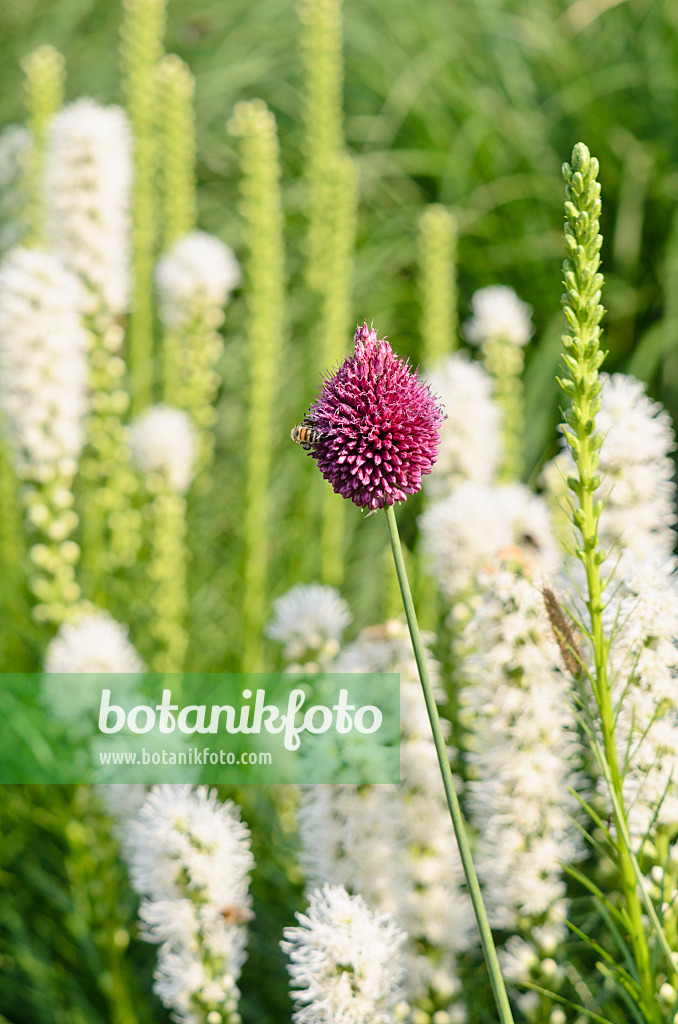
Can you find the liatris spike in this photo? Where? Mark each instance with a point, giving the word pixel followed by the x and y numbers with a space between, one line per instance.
pixel 142 32
pixel 263 270
pixel 378 425
pixel 501 325
pixel 45 71
pixel 44 402
pixel 88 178
pixel 344 962
pixel 189 858
pixel 437 281
pixel 163 442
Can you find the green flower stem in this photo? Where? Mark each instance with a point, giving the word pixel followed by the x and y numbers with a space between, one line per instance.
pixel 261 206
pixel 111 524
pixel 321 45
pixel 167 571
pixel 53 555
pixel 583 357
pixel 437 282
pixel 142 32
pixel 177 163
pixel 489 950
pixel 504 361
pixel 177 85
pixel 45 71
pixel 335 314
pixel 194 382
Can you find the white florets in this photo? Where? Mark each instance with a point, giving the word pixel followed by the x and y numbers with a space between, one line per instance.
pixel 185 833
pixel 43 363
pixel 88 175
pixel 498 313
pixel 95 643
pixel 642 617
pixel 189 858
pixel 469 436
pixel 309 621
pixel 523 749
pixel 163 440
pixel 636 470
pixel 197 273
pixel 480 527
pixel 344 961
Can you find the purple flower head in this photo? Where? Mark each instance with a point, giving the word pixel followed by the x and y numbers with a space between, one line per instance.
pixel 377 426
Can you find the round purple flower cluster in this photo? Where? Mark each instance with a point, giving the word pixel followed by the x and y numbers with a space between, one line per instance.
pixel 377 426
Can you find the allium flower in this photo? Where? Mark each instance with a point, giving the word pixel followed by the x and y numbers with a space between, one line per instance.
pixel 309 620
pixel 199 271
pixel 163 440
pixel 88 174
pixel 469 437
pixel 378 426
pixel 345 962
pixel 498 313
pixel 43 368
pixel 94 643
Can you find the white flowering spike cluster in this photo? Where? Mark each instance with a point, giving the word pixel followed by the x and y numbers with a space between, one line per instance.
pixel 92 644
pixel 469 436
pixel 194 280
pixel 522 755
pixel 43 404
pixel 95 642
pixel 163 443
pixel 88 175
pixel 636 470
pixel 394 844
pixel 197 274
pixel 643 622
pixel 164 446
pixel 345 966
pixel 309 621
pixel 15 144
pixel 43 368
pixel 479 527
pixel 189 859
pixel 498 313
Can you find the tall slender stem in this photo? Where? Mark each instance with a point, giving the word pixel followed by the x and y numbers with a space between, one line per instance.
pixel 486 939
pixel 582 358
